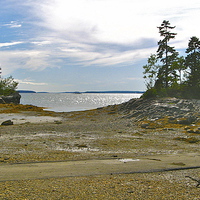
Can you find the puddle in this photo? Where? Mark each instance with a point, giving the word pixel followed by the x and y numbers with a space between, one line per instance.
pixel 125 160
pixel 78 149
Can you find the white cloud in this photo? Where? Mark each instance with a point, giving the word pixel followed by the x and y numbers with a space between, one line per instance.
pixel 112 20
pixel 13 24
pixel 84 25
pixel 41 43
pixel 6 44
pixel 29 82
pixel 98 32
pixel 11 60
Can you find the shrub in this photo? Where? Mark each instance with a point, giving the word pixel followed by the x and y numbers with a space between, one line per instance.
pixel 150 93
pixel 8 86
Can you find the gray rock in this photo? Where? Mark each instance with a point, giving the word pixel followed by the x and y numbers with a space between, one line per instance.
pixel 2 101
pixel 197 131
pixel 14 98
pixel 181 111
pixel 7 123
pixel 188 120
pixel 144 125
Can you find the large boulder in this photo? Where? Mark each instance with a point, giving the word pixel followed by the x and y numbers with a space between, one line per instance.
pixel 14 98
pixel 181 111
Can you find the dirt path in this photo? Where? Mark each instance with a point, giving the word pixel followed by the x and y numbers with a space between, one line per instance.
pixel 97 167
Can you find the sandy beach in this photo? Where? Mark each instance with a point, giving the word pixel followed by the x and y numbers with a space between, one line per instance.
pixel 96 154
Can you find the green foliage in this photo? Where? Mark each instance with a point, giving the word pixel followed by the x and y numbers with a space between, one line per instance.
pixel 166 53
pixel 150 93
pixel 150 71
pixel 167 74
pixel 7 86
pixel 173 91
pixel 179 65
pixel 193 62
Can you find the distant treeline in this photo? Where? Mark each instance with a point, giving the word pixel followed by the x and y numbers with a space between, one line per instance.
pixel 25 91
pixel 116 92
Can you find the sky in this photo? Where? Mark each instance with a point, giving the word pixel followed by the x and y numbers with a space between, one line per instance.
pixel 88 45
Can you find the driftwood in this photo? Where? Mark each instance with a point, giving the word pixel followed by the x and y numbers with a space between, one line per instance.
pixel 198 181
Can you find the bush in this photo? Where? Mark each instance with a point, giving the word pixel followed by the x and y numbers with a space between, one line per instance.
pixel 8 86
pixel 192 93
pixel 178 91
pixel 150 93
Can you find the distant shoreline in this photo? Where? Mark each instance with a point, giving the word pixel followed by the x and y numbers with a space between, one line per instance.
pixel 76 92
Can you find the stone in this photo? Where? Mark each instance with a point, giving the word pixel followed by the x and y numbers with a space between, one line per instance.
pixel 187 128
pixel 190 130
pixel 197 131
pixel 168 129
pixel 178 111
pixel 2 101
pixel 144 125
pixel 187 120
pixel 14 98
pixel 7 123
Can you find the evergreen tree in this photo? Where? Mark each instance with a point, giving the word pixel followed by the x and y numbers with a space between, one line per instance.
pixel 193 62
pixel 167 74
pixel 179 66
pixel 150 71
pixel 8 86
pixel 166 53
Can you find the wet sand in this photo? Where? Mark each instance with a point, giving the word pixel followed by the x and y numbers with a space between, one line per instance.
pixel 28 171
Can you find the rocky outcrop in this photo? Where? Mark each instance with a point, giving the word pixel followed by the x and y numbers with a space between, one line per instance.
pixel 14 98
pixel 182 111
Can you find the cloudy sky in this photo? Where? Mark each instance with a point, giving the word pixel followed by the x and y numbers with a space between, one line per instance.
pixel 81 45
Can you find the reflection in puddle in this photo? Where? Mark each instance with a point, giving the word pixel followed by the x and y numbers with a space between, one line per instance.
pixel 125 160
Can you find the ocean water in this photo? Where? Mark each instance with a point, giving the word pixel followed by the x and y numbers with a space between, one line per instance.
pixel 66 102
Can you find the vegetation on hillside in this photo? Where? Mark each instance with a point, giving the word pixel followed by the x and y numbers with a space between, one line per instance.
pixel 7 86
pixel 169 75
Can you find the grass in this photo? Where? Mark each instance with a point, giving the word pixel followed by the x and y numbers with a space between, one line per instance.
pixel 12 108
pixel 164 122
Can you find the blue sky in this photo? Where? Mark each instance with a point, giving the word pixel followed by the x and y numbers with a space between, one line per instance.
pixel 82 45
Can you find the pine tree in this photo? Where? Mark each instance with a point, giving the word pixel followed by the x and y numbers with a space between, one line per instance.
pixel 150 71
pixel 166 53
pixel 193 62
pixel 167 74
pixel 179 66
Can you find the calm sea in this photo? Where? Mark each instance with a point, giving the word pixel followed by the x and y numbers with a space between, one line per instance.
pixel 66 102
